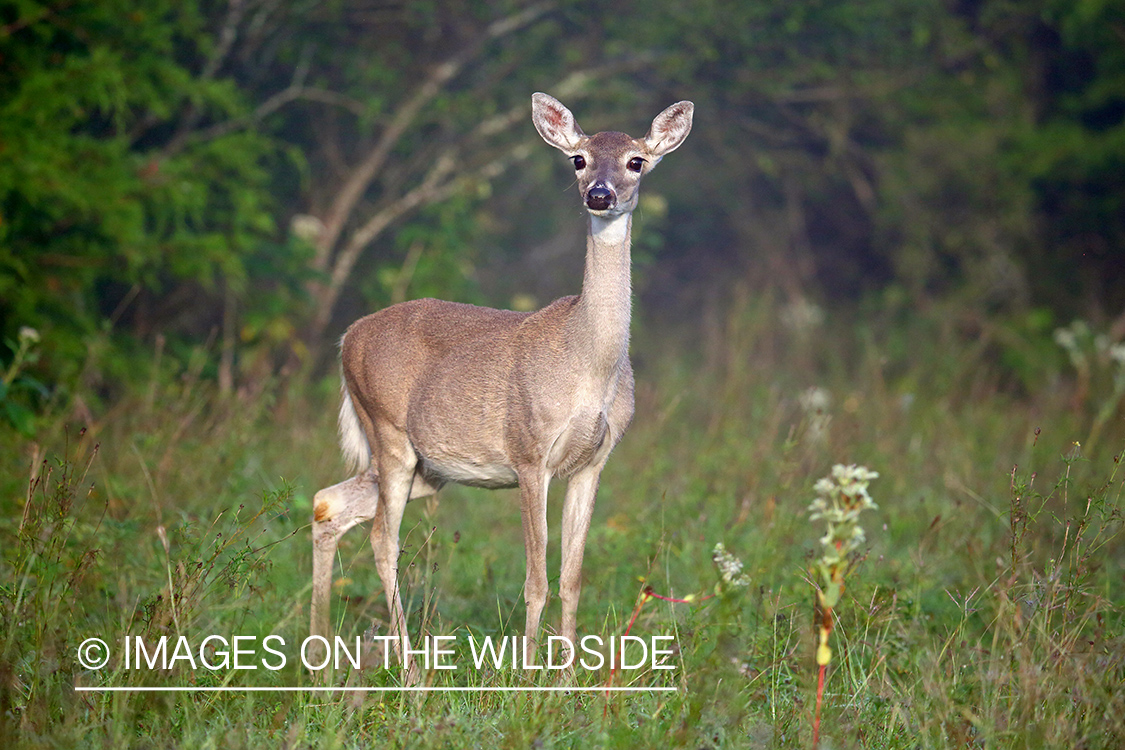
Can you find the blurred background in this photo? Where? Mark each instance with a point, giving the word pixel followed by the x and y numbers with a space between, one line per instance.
pixel 232 182
pixel 894 237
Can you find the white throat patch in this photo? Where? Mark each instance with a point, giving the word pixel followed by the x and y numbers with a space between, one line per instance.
pixel 610 229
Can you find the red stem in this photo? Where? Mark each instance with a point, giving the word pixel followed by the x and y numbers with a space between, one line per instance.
pixel 655 595
pixel 647 594
pixel 819 701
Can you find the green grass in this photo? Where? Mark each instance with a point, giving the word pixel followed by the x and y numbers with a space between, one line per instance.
pixel 985 610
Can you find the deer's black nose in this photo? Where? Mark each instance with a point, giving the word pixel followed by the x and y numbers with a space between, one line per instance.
pixel 600 198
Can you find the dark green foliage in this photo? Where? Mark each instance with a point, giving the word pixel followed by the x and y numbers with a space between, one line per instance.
pixel 153 155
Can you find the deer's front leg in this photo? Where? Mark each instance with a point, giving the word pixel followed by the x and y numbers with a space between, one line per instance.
pixel 533 509
pixel 578 507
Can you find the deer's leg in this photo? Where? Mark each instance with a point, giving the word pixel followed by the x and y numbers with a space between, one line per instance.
pixel 578 507
pixel 396 477
pixel 533 508
pixel 336 509
pixel 419 488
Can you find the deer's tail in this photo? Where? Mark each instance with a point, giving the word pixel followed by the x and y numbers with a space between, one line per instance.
pixel 353 440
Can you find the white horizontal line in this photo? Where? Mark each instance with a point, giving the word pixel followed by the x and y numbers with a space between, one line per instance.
pixel 455 689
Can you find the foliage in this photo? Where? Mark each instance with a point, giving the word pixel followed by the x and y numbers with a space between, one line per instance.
pixel 985 608
pixel 24 353
pixel 1071 154
pixel 155 157
pixel 57 587
pixel 110 193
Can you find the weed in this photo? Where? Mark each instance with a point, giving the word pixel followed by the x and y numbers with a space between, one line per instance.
pixel 842 497
pixel 16 380
pixel 46 562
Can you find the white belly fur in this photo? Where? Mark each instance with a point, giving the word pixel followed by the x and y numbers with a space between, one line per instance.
pixel 491 476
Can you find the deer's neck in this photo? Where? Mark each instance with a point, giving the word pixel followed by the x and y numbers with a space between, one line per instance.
pixel 605 304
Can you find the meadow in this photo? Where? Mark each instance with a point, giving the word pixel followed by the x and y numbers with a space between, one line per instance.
pixel 982 610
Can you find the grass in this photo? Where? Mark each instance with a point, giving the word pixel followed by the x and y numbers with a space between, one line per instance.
pixel 984 609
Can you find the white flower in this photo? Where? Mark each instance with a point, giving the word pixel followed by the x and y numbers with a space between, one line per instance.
pixel 814 400
pixel 730 567
pixel 841 498
pixel 824 486
pixel 29 335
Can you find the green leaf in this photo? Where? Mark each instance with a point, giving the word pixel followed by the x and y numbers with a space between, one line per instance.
pixel 21 418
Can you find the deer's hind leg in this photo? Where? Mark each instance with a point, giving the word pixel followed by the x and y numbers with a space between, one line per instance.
pixel 399 482
pixel 335 510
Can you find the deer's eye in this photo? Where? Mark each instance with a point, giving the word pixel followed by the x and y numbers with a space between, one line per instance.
pixel 579 163
pixel 635 164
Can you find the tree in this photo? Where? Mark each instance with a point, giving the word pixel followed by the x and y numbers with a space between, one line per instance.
pixel 155 157
pixel 112 190
pixel 440 126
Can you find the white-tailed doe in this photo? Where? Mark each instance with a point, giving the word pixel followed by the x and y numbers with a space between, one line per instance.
pixel 437 392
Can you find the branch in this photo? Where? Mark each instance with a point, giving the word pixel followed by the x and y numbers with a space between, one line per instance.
pixel 227 34
pixel 21 23
pixel 437 186
pixel 434 189
pixel 275 102
pixel 361 177
pixel 568 87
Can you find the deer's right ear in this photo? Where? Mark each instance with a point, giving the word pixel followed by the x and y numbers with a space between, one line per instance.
pixel 555 123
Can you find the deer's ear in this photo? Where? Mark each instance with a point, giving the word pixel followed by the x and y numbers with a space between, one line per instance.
pixel 555 123
pixel 670 128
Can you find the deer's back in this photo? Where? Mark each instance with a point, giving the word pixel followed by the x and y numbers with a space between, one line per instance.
pixel 390 355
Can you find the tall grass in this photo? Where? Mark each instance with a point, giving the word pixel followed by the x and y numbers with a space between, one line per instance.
pixel 984 609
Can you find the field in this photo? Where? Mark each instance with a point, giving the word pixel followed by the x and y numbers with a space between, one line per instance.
pixel 983 610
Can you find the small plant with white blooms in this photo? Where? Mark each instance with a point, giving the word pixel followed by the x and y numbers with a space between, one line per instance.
pixel 841 497
pixel 730 569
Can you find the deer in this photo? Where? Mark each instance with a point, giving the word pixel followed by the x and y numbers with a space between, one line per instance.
pixel 435 392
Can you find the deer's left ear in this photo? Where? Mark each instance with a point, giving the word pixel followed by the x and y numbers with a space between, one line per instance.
pixel 670 128
pixel 555 123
